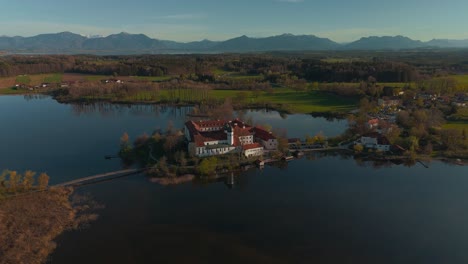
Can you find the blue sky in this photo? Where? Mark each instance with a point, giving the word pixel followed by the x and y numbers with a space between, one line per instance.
pixel 186 20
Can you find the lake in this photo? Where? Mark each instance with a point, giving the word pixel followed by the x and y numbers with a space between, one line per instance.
pixel 319 209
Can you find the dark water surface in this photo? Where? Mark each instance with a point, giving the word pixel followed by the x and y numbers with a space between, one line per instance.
pixel 316 210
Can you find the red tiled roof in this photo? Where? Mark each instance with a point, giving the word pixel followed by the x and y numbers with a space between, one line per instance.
pixel 200 137
pixel 374 121
pixel 252 146
pixel 263 134
pixel 242 132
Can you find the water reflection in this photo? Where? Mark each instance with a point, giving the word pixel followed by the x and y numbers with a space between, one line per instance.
pixel 298 125
pixel 145 110
pixel 29 97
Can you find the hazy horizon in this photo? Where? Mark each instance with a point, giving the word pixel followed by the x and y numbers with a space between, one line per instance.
pixel 184 20
pixel 198 40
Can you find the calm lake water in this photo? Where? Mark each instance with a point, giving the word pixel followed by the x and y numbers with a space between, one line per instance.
pixel 315 210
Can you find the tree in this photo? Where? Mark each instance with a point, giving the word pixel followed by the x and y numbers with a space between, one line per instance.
pixel 283 145
pixel 28 180
pixel 309 140
pixel 180 157
pixel 404 119
pixel 13 181
pixel 358 148
pixel 208 166
pixel 43 181
pixel 3 183
pixel 452 139
pixel 171 142
pixel 319 138
pixel 124 140
pixel 141 140
pixel 393 133
pixel 267 127
pixel 162 166
pixel 413 143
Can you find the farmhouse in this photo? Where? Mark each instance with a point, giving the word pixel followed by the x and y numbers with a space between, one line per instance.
pixel 217 137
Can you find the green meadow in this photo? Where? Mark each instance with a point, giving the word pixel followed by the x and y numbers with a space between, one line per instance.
pixel 23 79
pixel 295 102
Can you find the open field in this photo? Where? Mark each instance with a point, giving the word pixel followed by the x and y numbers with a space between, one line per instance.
pixel 71 77
pixel 238 76
pixel 152 78
pixel 35 79
pixel 462 81
pixel 460 125
pixel 282 99
pixel 54 78
pixel 218 71
pixel 7 82
pixel 231 75
pixel 399 84
pixel 24 79
pixel 308 102
pixel 297 102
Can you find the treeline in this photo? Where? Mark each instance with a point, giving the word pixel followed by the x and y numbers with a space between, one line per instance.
pixel 12 182
pixel 18 65
pixel 167 92
pixel 207 67
pixel 355 71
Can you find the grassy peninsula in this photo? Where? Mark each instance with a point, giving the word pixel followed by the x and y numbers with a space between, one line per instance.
pixel 32 215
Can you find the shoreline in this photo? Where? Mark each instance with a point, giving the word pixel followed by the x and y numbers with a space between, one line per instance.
pixel 279 107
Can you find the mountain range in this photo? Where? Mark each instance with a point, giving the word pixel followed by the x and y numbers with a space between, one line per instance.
pixel 125 43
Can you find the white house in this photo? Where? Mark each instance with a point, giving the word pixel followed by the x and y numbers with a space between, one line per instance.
pixel 374 141
pixel 253 150
pixel 266 139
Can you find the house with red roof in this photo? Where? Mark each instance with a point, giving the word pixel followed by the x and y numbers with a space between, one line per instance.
pixel 219 137
pixel 373 123
pixel 266 138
